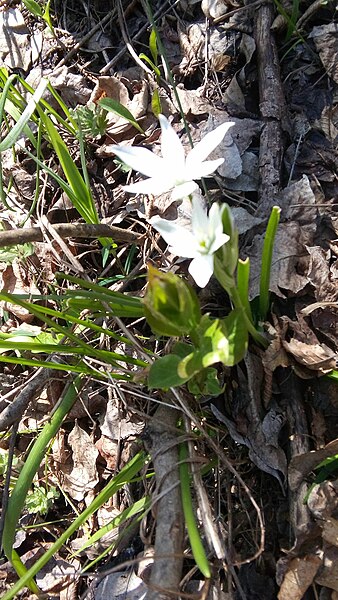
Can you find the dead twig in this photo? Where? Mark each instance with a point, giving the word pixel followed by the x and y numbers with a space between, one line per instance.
pixel 161 444
pixel 272 108
pixel 14 411
pixel 15 237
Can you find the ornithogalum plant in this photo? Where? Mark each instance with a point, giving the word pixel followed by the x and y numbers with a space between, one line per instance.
pixel 211 241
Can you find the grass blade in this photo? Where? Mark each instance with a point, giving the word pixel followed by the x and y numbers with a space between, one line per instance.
pixel 189 516
pixel 25 479
pixel 18 128
pixel 269 240
pixel 124 477
pixel 84 203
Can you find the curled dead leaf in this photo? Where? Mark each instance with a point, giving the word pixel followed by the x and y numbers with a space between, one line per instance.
pixel 299 576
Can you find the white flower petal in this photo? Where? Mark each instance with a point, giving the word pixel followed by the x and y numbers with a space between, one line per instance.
pixel 218 242
pixel 215 218
pixel 201 269
pixel 153 186
pixel 207 144
pixel 204 169
pixel 140 159
pixel 183 190
pixel 199 215
pixel 171 146
pixel 182 242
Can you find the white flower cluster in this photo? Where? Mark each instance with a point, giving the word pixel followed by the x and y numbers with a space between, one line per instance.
pixel 177 172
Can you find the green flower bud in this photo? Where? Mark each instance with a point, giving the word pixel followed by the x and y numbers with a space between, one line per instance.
pixel 171 305
pixel 226 258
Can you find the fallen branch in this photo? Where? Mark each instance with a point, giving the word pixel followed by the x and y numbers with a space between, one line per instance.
pixel 162 445
pixel 14 237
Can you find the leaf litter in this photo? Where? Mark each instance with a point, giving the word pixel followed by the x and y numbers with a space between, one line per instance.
pixel 263 436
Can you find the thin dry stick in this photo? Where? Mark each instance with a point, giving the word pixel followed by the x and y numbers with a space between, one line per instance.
pixel 14 411
pixel 166 573
pixel 126 40
pixel 14 237
pixel 85 38
pixel 140 32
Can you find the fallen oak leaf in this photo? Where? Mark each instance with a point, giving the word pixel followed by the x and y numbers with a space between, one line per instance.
pixel 317 357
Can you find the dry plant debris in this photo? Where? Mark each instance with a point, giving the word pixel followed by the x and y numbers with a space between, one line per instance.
pixel 268 516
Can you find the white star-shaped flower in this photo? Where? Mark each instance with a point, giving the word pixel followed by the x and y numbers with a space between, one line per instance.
pixel 174 170
pixel 200 244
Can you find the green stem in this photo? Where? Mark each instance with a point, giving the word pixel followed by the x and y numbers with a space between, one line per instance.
pixel 189 515
pixel 236 299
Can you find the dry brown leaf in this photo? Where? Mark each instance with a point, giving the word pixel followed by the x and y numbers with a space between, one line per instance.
pixel 325 288
pixel 328 574
pixel 299 576
pixel 17 47
pixel 16 280
pixel 215 8
pixel 81 476
pixel 290 260
pixel 314 356
pixel 113 87
pixel 108 449
pixel 58 574
pixel 330 531
pixel 325 38
pixel 193 101
pixel 116 426
pixel 121 585
pixel 301 465
pixel 322 501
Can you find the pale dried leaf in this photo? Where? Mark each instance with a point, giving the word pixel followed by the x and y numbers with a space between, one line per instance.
pixel 244 220
pixel 192 101
pixel 264 453
pixel 227 149
pixel 15 48
pixel 330 531
pixel 299 577
pixel 325 38
pixel 328 574
pixel 82 475
pixel 214 8
pixel 288 263
pixel 57 574
pixel 121 586
pixel 317 357
pixel 116 426
pixel 301 465
pixel 322 500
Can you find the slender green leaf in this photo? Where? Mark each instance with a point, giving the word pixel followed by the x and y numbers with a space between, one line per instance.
pixel 268 246
pixel 150 62
pixel 243 277
pixel 18 128
pixel 84 203
pixel 156 105
pixel 124 477
pixel 121 111
pixel 153 45
pixel 29 469
pixel 189 516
